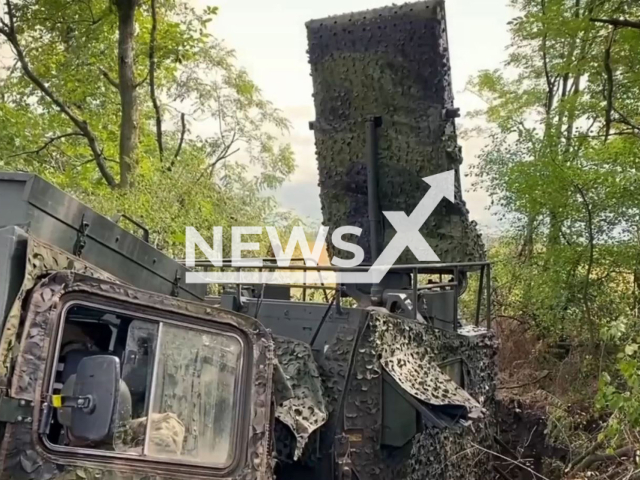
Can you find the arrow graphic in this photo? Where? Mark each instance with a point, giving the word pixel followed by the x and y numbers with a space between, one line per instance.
pixel 408 227
pixel 407 236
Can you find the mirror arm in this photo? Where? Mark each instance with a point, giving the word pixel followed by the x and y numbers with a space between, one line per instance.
pixel 45 419
pixel 63 401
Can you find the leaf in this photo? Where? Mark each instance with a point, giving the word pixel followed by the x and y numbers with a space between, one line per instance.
pixel 68 45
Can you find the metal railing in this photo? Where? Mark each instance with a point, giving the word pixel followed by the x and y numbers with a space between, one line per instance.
pixel 415 270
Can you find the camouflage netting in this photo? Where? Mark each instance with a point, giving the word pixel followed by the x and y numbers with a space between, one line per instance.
pixel 167 435
pixel 448 453
pixel 333 368
pixel 41 258
pixel 453 453
pixel 394 63
pixel 416 369
pixel 311 408
pixel 300 402
pixel 409 351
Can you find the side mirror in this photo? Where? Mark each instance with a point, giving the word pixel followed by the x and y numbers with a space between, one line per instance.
pixel 97 387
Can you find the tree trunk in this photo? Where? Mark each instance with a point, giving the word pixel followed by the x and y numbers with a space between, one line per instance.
pixel 127 85
pixel 526 249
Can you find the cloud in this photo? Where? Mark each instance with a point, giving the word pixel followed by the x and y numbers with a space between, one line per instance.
pixel 303 197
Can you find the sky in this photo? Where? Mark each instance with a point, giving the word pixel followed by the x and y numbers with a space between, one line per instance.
pixel 270 42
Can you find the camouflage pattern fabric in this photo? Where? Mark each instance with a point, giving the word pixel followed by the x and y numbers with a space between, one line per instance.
pixel 412 363
pixel 166 435
pixel 41 258
pixel 410 351
pixel 301 405
pixel 22 459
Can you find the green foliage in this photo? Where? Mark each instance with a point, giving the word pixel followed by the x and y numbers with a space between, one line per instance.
pixel 562 167
pixel 215 170
pixel 619 392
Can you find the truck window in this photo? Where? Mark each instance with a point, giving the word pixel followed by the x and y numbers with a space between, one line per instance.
pixel 196 376
pixel 178 388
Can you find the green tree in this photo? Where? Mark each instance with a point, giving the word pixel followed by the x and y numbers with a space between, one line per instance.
pixel 562 166
pixel 134 106
pixel 562 159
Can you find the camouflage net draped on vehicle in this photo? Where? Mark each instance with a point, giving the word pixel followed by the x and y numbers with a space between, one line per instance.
pixel 300 402
pixel 448 453
pixel 22 458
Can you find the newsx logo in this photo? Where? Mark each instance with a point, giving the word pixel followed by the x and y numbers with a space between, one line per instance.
pixel 407 236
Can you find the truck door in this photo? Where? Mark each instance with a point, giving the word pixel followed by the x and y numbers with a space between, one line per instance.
pixel 129 384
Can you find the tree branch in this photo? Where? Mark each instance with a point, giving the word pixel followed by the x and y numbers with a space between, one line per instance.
pixel 152 79
pixel 515 462
pixel 626 452
pixel 625 120
pixel 591 240
pixel 141 82
pixel 183 131
pixel 591 236
pixel 564 237
pixel 617 22
pixel 224 154
pixel 585 46
pixel 500 473
pixel 538 379
pixel 621 133
pixel 10 34
pixel 584 455
pixel 109 78
pixel 223 157
pixel 129 114
pixel 545 61
pixel 213 165
pixel 47 144
pixel 609 92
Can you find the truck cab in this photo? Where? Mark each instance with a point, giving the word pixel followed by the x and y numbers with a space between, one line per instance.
pixel 103 374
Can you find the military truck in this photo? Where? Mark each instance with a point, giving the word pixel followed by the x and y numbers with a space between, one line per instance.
pixel 113 367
